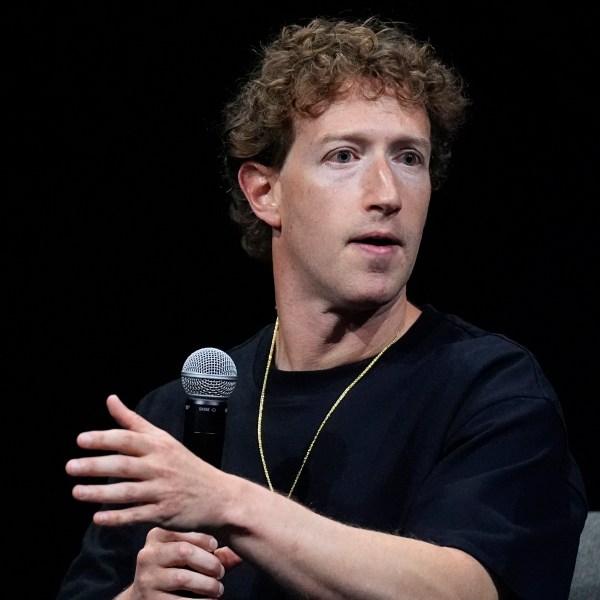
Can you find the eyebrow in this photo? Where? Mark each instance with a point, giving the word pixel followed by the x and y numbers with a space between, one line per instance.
pixel 359 137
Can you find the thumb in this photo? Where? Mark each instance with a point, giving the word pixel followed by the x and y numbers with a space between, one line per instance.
pixel 229 559
pixel 126 417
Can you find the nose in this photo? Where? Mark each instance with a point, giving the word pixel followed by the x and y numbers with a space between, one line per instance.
pixel 382 188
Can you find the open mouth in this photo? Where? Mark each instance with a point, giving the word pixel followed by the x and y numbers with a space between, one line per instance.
pixel 376 241
pixel 379 240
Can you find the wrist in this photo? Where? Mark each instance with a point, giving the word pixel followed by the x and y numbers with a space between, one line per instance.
pixel 243 509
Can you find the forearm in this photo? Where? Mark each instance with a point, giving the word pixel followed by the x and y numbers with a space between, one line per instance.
pixel 319 557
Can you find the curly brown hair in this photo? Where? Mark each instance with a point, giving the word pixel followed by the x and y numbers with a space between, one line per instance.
pixel 304 69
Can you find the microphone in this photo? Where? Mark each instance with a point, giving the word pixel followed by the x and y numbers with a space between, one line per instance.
pixel 208 377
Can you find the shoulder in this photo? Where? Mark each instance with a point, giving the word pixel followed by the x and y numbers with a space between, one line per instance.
pixel 450 334
pixel 449 328
pixel 472 358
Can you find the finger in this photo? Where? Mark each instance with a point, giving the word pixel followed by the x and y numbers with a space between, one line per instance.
pixel 135 512
pixel 126 417
pixel 119 440
pixel 121 466
pixel 123 492
pixel 229 559
pixel 183 554
pixel 142 513
pixel 190 580
pixel 201 540
pixel 199 570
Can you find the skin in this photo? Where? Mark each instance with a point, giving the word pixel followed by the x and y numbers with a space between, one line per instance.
pixel 162 565
pixel 356 173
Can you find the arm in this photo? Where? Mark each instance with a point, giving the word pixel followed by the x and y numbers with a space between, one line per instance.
pixel 171 487
pixel 332 560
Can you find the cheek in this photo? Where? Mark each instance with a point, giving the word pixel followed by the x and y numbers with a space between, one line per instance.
pixel 413 219
pixel 312 208
pixel 306 208
pixel 416 210
pixel 309 237
pixel 309 231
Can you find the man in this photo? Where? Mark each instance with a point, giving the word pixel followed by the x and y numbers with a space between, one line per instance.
pixel 374 448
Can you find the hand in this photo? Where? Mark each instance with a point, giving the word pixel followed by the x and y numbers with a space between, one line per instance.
pixel 166 484
pixel 172 562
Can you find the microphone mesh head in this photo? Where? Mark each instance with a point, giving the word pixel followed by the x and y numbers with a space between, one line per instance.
pixel 209 373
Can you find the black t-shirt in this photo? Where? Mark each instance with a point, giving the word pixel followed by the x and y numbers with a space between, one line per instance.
pixel 455 437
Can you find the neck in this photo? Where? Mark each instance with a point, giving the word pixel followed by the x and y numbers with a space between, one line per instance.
pixel 332 339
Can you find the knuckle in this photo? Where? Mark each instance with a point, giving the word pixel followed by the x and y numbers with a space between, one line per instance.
pixel 185 550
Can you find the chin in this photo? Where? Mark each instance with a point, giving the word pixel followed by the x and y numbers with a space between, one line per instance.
pixel 369 303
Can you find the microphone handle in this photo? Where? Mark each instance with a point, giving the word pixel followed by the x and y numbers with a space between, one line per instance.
pixel 204 428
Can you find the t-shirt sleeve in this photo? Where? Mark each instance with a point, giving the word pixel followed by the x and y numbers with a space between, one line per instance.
pixel 507 492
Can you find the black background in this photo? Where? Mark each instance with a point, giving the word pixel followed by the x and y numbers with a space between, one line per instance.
pixel 121 260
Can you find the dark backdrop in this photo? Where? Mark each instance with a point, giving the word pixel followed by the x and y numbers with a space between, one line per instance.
pixel 123 261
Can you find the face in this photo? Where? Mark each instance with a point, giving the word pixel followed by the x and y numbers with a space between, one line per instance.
pixel 351 203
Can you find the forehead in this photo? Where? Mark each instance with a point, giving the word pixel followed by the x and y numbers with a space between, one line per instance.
pixel 355 111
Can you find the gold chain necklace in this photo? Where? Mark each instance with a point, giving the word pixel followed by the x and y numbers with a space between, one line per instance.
pixel 323 422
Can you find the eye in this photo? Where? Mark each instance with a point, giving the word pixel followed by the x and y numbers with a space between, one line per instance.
pixel 410 158
pixel 342 156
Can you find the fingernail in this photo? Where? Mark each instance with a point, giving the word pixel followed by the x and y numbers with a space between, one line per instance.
pixel 72 467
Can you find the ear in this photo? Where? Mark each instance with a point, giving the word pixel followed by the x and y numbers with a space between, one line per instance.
pixel 257 183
